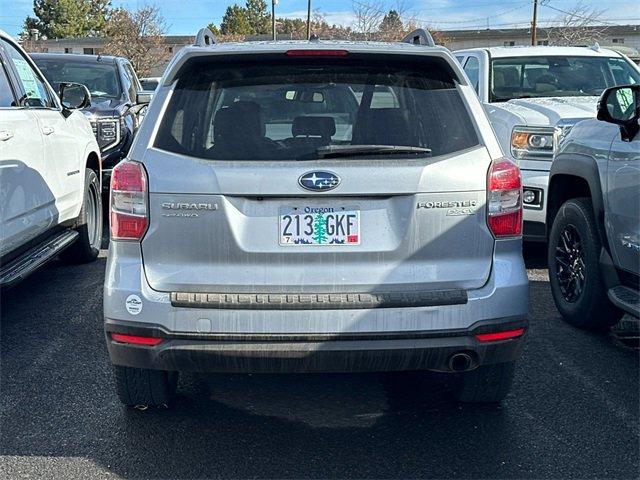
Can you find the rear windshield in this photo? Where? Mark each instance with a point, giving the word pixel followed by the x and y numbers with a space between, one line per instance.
pixel 554 76
pixel 297 108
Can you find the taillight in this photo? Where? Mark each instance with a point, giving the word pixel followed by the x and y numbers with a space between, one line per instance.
pixel 129 213
pixel 136 340
pixel 504 199
pixel 317 53
pixel 505 335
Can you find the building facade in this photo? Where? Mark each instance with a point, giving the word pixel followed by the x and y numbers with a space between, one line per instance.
pixel 612 36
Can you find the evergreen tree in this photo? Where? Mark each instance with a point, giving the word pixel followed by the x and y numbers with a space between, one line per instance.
pixel 391 27
pixel 258 17
pixel 235 21
pixel 69 18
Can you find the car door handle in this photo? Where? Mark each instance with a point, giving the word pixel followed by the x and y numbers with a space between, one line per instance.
pixel 5 135
pixel 47 130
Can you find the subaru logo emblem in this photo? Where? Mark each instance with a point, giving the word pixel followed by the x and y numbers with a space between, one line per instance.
pixel 319 181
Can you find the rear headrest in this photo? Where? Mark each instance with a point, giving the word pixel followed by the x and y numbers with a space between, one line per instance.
pixel 384 126
pixel 324 127
pixel 240 119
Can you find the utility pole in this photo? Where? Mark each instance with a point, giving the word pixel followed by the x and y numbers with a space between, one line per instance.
pixel 534 24
pixel 308 19
pixel 273 18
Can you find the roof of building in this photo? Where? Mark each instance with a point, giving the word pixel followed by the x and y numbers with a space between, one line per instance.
pixel 99 41
pixel 492 33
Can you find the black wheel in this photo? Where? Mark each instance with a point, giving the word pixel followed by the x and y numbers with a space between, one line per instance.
pixel 140 387
pixel 485 384
pixel 87 246
pixel 576 282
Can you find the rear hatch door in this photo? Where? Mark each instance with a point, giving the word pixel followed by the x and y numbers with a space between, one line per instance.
pixel 287 174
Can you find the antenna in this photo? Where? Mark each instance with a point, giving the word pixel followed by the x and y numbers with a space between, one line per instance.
pixel 205 38
pixel 420 37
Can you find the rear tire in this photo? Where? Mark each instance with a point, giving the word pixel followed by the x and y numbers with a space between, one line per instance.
pixel 485 384
pixel 140 387
pixel 87 246
pixel 578 288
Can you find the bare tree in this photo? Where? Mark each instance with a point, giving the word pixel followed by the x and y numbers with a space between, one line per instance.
pixel 139 36
pixel 368 15
pixel 580 25
pixel 323 29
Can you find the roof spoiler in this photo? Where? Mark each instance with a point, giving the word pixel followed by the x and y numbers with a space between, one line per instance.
pixel 420 37
pixel 205 38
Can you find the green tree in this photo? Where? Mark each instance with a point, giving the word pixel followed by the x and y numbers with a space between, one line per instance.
pixel 391 27
pixel 235 21
pixel 214 28
pixel 294 27
pixel 69 18
pixel 252 19
pixel 258 16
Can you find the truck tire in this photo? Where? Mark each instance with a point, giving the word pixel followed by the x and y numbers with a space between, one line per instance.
pixel 89 227
pixel 485 384
pixel 140 387
pixel 578 288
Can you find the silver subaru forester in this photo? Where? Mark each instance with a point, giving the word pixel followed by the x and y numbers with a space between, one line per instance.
pixel 315 206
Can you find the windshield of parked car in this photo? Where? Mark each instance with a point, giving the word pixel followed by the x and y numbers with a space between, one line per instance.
pixel 292 109
pixel 100 78
pixel 557 76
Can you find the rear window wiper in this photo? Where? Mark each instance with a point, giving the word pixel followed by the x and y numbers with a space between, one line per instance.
pixel 363 150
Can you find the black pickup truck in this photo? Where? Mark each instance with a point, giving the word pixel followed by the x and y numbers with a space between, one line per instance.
pixel 117 98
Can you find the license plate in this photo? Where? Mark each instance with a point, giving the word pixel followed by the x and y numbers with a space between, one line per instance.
pixel 319 226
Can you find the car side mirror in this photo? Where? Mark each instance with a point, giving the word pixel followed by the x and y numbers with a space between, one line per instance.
pixel 144 97
pixel 73 96
pixel 621 106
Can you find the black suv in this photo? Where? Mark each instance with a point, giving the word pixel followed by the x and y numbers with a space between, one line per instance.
pixel 117 98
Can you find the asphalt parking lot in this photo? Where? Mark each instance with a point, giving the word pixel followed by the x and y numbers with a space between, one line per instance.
pixel 573 411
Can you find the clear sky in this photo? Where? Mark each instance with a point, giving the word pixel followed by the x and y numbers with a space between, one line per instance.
pixel 185 17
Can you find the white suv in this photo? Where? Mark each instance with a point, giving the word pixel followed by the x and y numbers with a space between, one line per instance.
pixel 49 170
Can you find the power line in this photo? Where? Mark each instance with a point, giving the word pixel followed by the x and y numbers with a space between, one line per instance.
pixel 575 14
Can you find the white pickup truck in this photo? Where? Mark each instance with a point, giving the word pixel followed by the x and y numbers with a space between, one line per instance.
pixel 533 96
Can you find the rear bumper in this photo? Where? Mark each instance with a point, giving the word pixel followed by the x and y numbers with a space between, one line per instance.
pixel 294 353
pixel 211 337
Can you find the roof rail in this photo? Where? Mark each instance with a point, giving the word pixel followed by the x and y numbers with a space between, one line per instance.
pixel 419 37
pixel 205 38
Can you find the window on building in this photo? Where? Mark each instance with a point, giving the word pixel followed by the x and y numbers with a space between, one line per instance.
pixel 68 50
pixel 617 40
pixel 543 42
pixel 509 43
pixel 88 51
